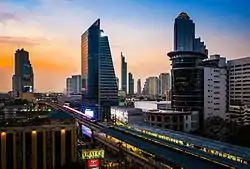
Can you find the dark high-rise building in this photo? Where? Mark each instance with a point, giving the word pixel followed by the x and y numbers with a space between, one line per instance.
pixel 139 87
pixel 99 81
pixel 184 33
pixel 187 70
pixel 23 78
pixel 123 73
pixel 131 84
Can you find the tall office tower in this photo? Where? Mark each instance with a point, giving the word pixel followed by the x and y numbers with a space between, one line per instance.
pixel 124 73
pixel 117 81
pixel 153 86
pixel 215 87
pixel 130 84
pixel 69 86
pixel 184 33
pixel 139 87
pixel 164 83
pixel 187 91
pixel 23 78
pixel 99 84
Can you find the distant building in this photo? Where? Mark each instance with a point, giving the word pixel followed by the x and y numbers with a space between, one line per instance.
pixel 100 87
pixel 153 83
pixel 139 87
pixel 117 81
pixel 164 83
pixel 23 78
pixel 123 73
pixel 215 87
pixel 130 84
pixel 74 84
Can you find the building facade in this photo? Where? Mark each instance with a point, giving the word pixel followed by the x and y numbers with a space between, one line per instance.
pixel 23 78
pixel 99 84
pixel 239 81
pixel 37 147
pixel 123 73
pixel 130 84
pixel 215 87
pixel 239 90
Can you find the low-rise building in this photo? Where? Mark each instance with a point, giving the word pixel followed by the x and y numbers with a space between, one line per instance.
pixel 172 119
pixel 126 115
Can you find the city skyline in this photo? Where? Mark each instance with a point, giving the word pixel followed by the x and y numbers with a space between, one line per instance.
pixel 54 41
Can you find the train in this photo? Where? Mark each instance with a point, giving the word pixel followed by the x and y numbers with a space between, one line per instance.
pixel 80 114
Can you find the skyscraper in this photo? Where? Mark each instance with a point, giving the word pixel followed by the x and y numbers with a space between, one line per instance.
pixel 99 82
pixel 187 69
pixel 139 87
pixel 131 84
pixel 123 73
pixel 184 33
pixel 164 83
pixel 23 79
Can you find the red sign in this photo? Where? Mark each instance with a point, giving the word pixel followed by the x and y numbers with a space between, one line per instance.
pixel 92 163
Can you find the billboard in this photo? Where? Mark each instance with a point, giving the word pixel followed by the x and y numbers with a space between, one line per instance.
pixel 89 112
pixel 27 89
pixel 86 131
pixel 93 154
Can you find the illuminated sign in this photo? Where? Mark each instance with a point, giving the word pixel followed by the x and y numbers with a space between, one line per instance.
pixel 91 154
pixel 89 112
pixel 93 163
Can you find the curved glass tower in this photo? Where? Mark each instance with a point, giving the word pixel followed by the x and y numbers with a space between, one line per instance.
pixel 187 80
pixel 187 69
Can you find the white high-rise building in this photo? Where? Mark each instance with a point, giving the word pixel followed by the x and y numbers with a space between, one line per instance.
pixel 215 87
pixel 74 84
pixel 239 90
pixel 239 80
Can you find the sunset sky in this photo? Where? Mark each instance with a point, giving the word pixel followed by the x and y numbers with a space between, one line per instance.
pixel 142 29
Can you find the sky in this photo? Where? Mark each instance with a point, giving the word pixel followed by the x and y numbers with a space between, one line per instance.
pixel 142 29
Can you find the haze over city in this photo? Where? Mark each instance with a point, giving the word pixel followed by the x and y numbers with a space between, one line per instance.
pixel 51 29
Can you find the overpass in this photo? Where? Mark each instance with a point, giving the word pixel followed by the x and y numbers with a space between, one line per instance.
pixel 152 150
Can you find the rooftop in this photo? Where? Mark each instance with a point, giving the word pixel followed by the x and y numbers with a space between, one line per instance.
pixel 38 119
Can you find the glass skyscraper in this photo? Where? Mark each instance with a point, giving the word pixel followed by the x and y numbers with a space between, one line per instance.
pixel 97 70
pixel 184 33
